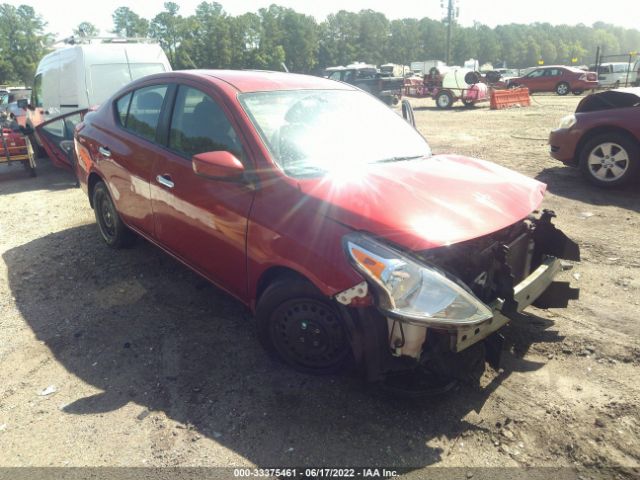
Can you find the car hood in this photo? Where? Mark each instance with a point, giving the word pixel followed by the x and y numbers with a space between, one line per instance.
pixel 427 203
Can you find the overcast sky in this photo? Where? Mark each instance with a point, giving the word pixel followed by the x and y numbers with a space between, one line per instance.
pixel 64 15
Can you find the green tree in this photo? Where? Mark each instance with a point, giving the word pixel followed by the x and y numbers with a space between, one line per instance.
pixel 23 43
pixel 168 27
pixel 128 23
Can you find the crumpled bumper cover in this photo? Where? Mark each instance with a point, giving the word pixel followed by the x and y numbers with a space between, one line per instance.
pixel 538 284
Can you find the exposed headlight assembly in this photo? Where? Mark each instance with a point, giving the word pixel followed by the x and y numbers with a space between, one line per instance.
pixel 567 122
pixel 411 291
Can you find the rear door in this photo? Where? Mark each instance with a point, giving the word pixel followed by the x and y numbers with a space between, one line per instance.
pixel 56 136
pixel 200 220
pixel 127 151
pixel 552 77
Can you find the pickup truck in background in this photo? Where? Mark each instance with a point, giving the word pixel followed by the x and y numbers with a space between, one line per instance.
pixel 367 78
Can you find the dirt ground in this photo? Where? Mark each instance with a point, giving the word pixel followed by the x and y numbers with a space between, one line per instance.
pixel 149 365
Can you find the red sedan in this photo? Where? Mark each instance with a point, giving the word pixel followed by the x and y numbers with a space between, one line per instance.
pixel 602 138
pixel 557 78
pixel 325 213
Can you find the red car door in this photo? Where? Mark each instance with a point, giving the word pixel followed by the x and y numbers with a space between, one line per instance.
pixel 56 136
pixel 126 154
pixel 201 220
pixel 535 80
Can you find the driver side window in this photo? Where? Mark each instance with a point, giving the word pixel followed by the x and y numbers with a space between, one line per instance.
pixel 200 125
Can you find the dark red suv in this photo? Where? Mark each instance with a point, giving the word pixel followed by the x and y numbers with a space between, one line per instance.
pixel 557 78
pixel 321 209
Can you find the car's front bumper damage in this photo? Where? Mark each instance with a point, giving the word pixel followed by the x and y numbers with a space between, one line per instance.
pixel 508 274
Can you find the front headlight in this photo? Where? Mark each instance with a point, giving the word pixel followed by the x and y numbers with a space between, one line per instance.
pixel 412 291
pixel 567 122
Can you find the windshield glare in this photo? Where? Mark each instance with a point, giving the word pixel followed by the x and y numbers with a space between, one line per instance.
pixel 311 132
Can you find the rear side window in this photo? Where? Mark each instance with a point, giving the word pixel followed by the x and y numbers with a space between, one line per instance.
pixel 199 125
pixel 122 108
pixel 144 111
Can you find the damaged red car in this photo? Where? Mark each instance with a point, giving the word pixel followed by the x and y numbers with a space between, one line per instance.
pixel 325 212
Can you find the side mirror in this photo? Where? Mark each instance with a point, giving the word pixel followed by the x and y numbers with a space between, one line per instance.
pixel 221 165
pixel 22 103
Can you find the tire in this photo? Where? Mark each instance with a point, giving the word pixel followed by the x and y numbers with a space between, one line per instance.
pixel 38 151
pixel 578 92
pixel 301 327
pixel 472 78
pixel 598 166
pixel 28 168
pixel 444 100
pixel 563 88
pixel 111 227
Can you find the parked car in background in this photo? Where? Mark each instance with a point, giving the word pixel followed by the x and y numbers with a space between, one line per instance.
pixel 557 78
pixel 602 137
pixel 367 78
pixel 324 212
pixel 617 74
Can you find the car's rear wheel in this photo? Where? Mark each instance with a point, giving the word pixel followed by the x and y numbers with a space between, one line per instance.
pixel 562 88
pixel 111 227
pixel 610 160
pixel 300 326
pixel 444 100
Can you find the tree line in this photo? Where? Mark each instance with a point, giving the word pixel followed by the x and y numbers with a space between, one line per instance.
pixel 212 38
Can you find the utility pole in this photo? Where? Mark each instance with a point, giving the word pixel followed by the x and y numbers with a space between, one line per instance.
pixel 452 14
pixel 449 17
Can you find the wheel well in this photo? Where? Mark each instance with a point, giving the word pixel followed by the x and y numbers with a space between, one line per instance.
pixel 599 131
pixel 94 178
pixel 271 275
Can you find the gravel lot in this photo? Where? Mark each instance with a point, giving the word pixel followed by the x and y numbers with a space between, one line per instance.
pixel 149 365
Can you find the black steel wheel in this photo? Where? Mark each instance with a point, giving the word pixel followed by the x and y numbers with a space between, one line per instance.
pixel 301 327
pixel 112 230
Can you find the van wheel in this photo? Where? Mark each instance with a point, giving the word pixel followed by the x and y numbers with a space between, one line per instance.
pixel 38 151
pixel 112 229
pixel 28 168
pixel 301 327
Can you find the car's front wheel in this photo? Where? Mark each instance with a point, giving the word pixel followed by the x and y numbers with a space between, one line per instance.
pixel 610 159
pixel 112 229
pixel 300 326
pixel 562 88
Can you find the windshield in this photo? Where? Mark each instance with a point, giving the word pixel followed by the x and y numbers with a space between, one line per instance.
pixel 312 132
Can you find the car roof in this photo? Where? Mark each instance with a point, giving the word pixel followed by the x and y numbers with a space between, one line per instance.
pixel 261 80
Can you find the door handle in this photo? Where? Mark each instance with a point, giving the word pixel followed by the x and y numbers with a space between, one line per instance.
pixel 165 180
pixel 104 151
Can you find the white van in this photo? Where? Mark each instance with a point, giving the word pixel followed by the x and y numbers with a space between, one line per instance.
pixel 81 76
pixel 616 74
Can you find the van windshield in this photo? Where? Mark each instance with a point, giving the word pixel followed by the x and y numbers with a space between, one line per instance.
pixel 313 132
